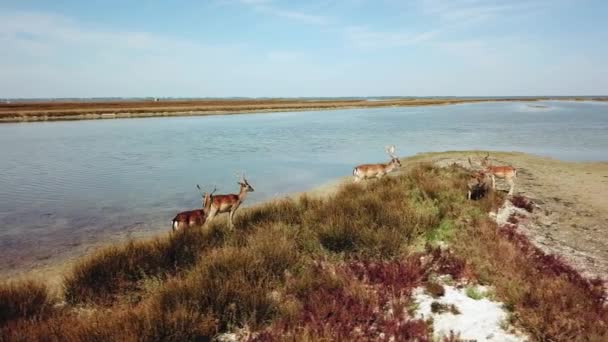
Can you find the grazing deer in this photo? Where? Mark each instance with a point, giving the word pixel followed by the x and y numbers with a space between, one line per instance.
pixel 477 185
pixel 377 170
pixel 193 218
pixel 229 203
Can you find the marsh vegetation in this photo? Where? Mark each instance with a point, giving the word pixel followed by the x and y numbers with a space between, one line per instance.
pixel 339 267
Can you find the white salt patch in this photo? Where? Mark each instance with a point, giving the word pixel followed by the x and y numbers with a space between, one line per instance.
pixel 478 320
pixel 504 212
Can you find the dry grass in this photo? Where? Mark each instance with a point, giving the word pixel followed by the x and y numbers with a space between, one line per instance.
pixel 115 271
pixel 339 268
pixel 24 300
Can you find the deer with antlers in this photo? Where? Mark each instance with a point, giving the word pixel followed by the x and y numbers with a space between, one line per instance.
pixel 377 170
pixel 508 173
pixel 193 218
pixel 477 185
pixel 231 202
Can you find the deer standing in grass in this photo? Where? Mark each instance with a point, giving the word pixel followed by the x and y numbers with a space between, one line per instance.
pixel 508 173
pixel 193 218
pixel 377 170
pixel 229 203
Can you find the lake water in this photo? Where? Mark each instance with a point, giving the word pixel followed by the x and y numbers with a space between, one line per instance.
pixel 68 185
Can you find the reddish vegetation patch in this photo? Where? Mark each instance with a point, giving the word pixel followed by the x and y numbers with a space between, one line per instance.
pixel 446 262
pixel 552 265
pixel 513 219
pixel 522 203
pixel 370 303
pixel 398 277
pixel 549 299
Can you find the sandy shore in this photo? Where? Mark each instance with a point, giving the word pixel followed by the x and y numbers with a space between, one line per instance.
pixel 78 110
pixel 570 220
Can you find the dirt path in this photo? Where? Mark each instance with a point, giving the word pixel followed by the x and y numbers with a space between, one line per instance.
pixel 571 219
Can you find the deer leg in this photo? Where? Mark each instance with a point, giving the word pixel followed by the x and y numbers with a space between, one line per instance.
pixel 232 212
pixel 511 186
pixel 230 216
pixel 211 215
pixel 230 219
pixel 493 182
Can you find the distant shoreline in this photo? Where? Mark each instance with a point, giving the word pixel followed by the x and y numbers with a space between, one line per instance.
pixel 35 111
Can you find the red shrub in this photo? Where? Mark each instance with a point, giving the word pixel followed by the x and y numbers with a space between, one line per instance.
pixel 522 203
pixel 553 265
pixel 337 313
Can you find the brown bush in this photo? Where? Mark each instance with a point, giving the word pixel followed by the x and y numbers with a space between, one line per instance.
pixel 116 270
pixel 234 283
pixel 24 300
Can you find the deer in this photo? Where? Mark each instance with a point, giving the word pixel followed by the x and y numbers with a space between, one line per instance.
pixel 193 218
pixel 508 173
pixel 231 202
pixel 477 185
pixel 377 170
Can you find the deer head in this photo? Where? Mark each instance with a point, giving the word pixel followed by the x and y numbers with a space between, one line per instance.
pixel 479 163
pixel 390 150
pixel 485 162
pixel 244 184
pixel 207 198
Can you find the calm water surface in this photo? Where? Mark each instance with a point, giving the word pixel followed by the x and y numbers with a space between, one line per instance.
pixel 67 185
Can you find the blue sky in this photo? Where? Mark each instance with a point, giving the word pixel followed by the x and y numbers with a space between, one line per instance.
pixel 280 48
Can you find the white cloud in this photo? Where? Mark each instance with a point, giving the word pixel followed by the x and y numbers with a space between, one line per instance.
pixel 283 56
pixel 477 10
pixel 366 38
pixel 45 55
pixel 296 15
pixel 268 7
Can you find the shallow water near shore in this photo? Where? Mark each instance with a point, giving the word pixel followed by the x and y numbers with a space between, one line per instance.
pixel 69 185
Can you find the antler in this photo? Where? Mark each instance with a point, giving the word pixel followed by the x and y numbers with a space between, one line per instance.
pixel 240 176
pixel 212 192
pixel 390 150
pixel 479 165
pixel 486 159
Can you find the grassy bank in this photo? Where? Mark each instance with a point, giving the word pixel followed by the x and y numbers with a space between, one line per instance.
pixel 342 267
pixel 79 110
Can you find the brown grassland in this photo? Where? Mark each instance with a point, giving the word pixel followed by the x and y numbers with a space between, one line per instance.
pixel 314 269
pixel 78 110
